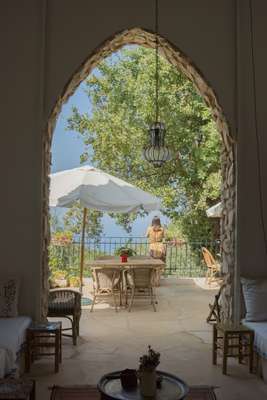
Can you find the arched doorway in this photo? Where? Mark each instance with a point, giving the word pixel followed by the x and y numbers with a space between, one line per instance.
pixel 142 37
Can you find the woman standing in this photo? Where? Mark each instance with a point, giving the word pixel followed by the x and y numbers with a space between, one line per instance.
pixel 156 234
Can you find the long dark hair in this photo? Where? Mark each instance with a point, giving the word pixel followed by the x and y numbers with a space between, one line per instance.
pixel 156 221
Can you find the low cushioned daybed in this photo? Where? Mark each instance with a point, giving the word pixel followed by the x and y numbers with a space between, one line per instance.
pixel 255 299
pixel 12 329
pixel 260 343
pixel 12 339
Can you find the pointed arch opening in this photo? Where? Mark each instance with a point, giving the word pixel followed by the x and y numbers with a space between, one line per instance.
pixel 139 36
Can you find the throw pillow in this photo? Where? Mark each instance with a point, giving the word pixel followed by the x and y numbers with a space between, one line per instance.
pixel 9 298
pixel 255 297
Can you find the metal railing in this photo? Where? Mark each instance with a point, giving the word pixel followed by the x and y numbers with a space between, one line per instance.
pixel 182 259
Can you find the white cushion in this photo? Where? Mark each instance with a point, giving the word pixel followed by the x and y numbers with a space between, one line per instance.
pixel 260 340
pixel 12 337
pixel 9 298
pixel 13 332
pixel 255 297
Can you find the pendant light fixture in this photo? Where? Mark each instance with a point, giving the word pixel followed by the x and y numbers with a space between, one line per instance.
pixel 156 152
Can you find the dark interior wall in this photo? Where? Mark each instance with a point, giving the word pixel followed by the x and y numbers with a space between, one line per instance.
pixel 20 147
pixel 44 42
pixel 251 112
pixel 204 31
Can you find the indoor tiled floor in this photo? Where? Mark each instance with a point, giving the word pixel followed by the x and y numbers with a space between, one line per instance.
pixel 111 341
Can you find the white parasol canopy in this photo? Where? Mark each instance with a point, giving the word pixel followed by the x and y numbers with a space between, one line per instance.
pixel 97 190
pixel 215 211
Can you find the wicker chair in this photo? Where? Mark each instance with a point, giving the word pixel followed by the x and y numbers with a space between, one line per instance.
pixel 106 282
pixel 213 267
pixel 140 282
pixel 66 303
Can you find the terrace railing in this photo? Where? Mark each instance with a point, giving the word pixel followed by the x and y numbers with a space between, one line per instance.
pixel 182 259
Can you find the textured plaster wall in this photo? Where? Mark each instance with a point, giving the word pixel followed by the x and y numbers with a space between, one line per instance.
pixel 44 43
pixel 20 147
pixel 251 248
pixel 204 31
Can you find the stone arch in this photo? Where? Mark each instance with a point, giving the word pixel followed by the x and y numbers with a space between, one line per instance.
pixel 146 38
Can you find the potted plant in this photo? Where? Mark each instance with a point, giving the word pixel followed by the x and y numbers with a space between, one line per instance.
pixel 147 372
pixel 74 281
pixel 125 252
pixel 58 278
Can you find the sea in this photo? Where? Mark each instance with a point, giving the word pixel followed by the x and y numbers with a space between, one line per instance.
pixel 111 229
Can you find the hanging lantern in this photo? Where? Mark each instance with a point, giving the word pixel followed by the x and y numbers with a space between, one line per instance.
pixel 156 152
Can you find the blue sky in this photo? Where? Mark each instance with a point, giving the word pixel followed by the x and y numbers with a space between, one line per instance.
pixel 67 147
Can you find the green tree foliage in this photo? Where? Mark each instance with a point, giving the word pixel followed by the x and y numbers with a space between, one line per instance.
pixel 55 222
pixel 122 93
pixel 73 220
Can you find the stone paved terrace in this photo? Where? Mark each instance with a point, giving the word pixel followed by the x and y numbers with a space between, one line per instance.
pixel 110 341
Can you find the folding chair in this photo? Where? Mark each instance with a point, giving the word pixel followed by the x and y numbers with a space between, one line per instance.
pixel 215 308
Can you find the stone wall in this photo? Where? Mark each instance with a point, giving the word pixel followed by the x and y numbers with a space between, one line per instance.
pixel 228 229
pixel 177 58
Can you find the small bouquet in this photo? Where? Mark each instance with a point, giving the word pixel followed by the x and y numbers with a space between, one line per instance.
pixel 149 361
pixel 147 373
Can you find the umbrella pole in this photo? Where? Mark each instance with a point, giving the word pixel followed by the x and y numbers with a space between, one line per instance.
pixel 82 248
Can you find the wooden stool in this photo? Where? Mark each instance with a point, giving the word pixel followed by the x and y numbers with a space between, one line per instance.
pixel 44 336
pixel 234 341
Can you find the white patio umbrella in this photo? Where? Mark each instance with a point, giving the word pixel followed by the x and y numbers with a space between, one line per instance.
pixel 215 211
pixel 96 189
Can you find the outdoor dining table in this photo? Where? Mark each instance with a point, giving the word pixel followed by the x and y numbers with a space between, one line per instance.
pixel 134 261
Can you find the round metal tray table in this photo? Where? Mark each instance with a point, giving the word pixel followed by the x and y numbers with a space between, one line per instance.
pixel 172 388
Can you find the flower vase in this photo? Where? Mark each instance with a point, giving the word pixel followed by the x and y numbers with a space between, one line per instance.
pixel 148 382
pixel 124 258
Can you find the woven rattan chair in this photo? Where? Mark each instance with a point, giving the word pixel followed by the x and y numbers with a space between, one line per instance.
pixel 213 267
pixel 106 282
pixel 158 271
pixel 66 303
pixel 140 282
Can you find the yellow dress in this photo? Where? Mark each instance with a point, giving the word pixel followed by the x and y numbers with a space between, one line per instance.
pixel 157 248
